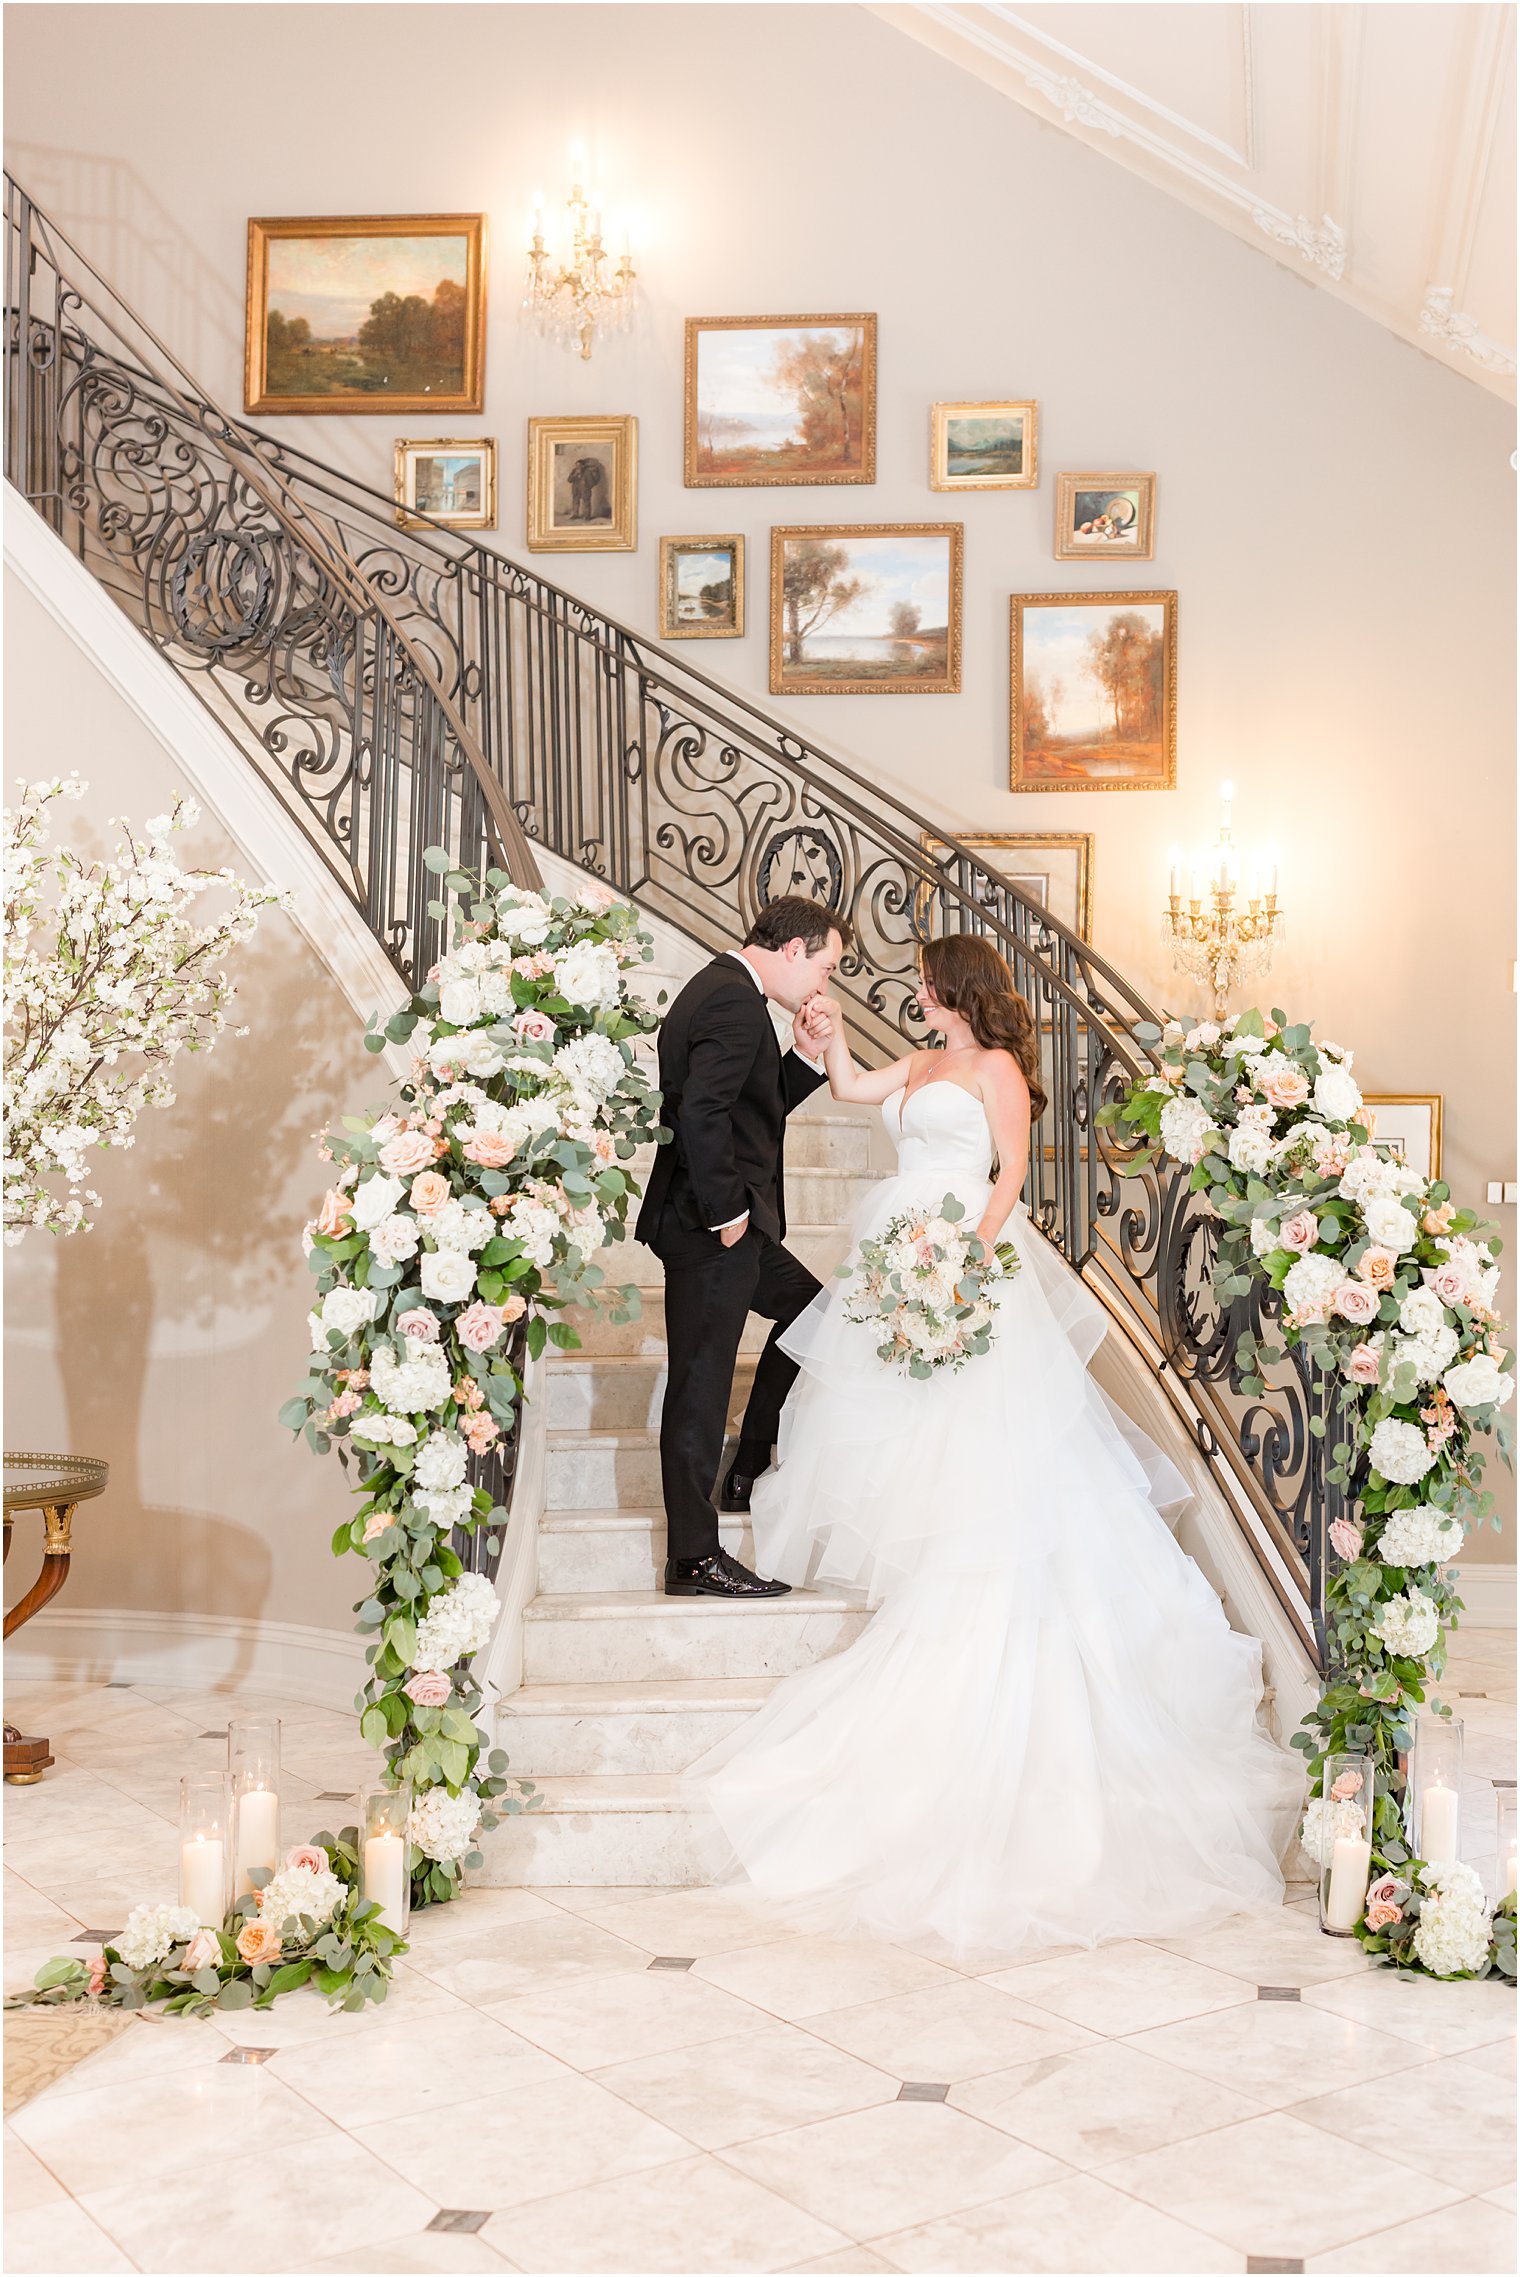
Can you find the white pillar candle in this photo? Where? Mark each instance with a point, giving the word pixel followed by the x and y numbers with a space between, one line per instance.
pixel 256 1835
pixel 385 1877
pixel 1349 1863
pixel 1438 1825
pixel 200 1880
pixel 1509 1873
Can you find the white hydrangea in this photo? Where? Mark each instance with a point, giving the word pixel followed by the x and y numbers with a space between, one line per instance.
pixel 347 1310
pixel 312 1891
pixel 395 1239
pixel 383 1431
pixel 153 1931
pixel 456 1624
pixel 447 1506
pixel 1399 1453
pixel 441 1462
pixel 535 1225
pixel 457 1226
pixel 1336 1096
pixel 1408 1625
pixel 1309 1287
pixel 447 1275
pixel 1325 1821
pixel 1370 1176
pixel 1427 1354
pixel 375 1198
pixel 1422 1313
pixel 1478 1382
pixel 1186 1129
pixel 1391 1225
pixel 1419 1536
pixel 592 1064
pixel 414 1385
pixel 496 999
pixel 587 974
pixel 443 1825
pixel 1263 1237
pixel 1453 1933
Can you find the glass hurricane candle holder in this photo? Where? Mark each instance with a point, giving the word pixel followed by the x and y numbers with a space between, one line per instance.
pixel 384 1848
pixel 1508 1809
pixel 1348 1792
pixel 1434 1810
pixel 253 1776
pixel 203 1849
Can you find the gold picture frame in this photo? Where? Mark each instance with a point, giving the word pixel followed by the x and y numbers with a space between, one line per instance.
pixel 689 612
pixel 1078 844
pixel 1062 692
pixel 1102 502
pixel 575 504
pixel 436 260
pixel 995 459
pixel 415 487
pixel 905 658
pixel 1417 1126
pixel 737 434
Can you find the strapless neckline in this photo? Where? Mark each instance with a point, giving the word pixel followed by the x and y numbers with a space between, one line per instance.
pixel 897 1100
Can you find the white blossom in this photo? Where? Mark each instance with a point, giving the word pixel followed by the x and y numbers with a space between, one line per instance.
pixel 414 1385
pixel 346 1310
pixel 1453 1932
pixel 1422 1313
pixel 375 1198
pixel 1399 1453
pixel 587 974
pixel 1427 1354
pixel 1187 1130
pixel 592 1064
pixel 1325 1820
pixel 1408 1625
pixel 457 1226
pixel 1478 1382
pixel 457 1623
pixel 1309 1286
pixel 395 1239
pixel 1391 1225
pixel 1336 1096
pixel 378 1430
pixel 443 1825
pixel 153 1931
pixel 312 1891
pixel 1420 1535
pixel 447 1275
pixel 441 1462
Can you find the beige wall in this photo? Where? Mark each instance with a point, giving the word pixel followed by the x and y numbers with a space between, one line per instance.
pixel 1335 509
pixel 166 1338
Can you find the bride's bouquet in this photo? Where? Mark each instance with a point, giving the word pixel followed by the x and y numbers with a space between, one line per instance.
pixel 924 1285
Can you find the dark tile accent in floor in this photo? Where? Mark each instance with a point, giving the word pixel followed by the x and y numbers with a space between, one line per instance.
pixel 1277 1992
pixel 248 2055
pixel 337 1795
pixel 464 2218
pixel 922 2091
pixel 1271 2265
pixel 220 1733
pixel 669 1961
pixel 94 1936
pixel 120 1684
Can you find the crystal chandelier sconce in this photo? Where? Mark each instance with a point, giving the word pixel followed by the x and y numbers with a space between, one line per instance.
pixel 1222 931
pixel 575 290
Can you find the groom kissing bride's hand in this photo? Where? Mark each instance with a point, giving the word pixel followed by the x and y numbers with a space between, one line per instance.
pixel 715 1215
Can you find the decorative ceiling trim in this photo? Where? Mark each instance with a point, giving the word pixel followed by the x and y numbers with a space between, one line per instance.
pixel 1125 87
pixel 1324 248
pixel 1439 320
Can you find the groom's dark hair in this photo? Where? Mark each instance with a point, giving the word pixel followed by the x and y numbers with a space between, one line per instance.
pixel 795 918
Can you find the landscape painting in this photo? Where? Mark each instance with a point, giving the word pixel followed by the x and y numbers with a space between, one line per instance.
pixel 448 481
pixel 1113 515
pixel 369 314
pixel 1094 692
pixel 778 399
pixel 1052 868
pixel 983 446
pixel 701 588
pixel 582 490
pixel 866 609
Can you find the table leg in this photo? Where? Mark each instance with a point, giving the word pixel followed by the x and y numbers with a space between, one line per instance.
pixel 27 1758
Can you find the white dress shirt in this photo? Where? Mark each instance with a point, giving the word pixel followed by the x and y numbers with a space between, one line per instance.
pixel 808 1057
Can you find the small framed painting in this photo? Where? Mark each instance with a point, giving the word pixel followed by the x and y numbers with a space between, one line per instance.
pixel 1093 692
pixel 701 588
pixel 778 399
pixel 582 485
pixel 983 446
pixel 366 313
pixel 1109 517
pixel 866 609
pixel 1052 867
pixel 1409 1124
pixel 446 481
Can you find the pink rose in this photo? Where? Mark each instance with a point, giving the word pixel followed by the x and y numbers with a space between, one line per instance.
pixel 1355 1302
pixel 420 1325
pixel 430 1189
pixel 1299 1232
pixel 307 1854
pixel 408 1152
pixel 258 1941
pixel 1285 1084
pixel 479 1327
pixel 1437 1221
pixel 1449 1282
pixel 534 1028
pixel 1381 1916
pixel 491 1149
pixel 1378 1267
pixel 1365 1364
pixel 97 1983
pixel 512 1306
pixel 346 1403
pixel 204 1951
pixel 1348 1784
pixel 333 1216
pixel 480 1432
pixel 376 1524
pixel 430 1688
pixel 1345 1538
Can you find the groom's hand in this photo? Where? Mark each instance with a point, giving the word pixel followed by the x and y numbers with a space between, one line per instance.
pixel 731 1234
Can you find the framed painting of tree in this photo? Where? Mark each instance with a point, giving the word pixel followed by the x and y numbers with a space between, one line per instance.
pixel 1094 692
pixel 866 609
pixel 778 399
pixel 366 313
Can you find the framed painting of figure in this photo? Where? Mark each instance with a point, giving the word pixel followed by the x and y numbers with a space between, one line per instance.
pixel 778 399
pixel 866 608
pixel 984 446
pixel 1105 517
pixel 1093 692
pixel 366 313
pixel 701 588
pixel 1409 1123
pixel 1052 868
pixel 447 481
pixel 582 485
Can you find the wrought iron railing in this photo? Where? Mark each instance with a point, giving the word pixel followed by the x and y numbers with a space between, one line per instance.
pixel 405 687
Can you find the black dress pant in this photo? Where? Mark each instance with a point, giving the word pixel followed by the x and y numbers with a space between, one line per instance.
pixel 709 1292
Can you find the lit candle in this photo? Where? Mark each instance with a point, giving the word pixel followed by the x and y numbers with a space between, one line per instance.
pixel 1439 1809
pixel 256 1835
pixel 1176 869
pixel 384 1877
pixel 1509 1872
pixel 1349 1863
pixel 200 1880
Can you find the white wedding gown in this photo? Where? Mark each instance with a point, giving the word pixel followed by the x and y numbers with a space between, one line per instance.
pixel 1046 1734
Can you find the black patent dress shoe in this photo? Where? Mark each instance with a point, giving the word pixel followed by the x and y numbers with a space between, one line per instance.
pixel 718 1576
pixel 734 1493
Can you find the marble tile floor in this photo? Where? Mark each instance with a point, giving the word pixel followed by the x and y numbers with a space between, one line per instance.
pixel 544 2091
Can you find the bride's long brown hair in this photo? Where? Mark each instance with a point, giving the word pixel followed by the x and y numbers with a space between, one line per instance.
pixel 968 976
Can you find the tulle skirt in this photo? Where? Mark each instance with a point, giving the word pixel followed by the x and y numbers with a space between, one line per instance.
pixel 1047 1733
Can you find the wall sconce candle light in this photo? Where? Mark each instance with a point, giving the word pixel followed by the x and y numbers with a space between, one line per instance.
pixel 578 291
pixel 1218 930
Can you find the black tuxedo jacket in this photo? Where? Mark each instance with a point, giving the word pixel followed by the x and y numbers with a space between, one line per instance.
pixel 728 1089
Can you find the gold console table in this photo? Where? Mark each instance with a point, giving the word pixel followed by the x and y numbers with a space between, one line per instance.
pixel 55 1485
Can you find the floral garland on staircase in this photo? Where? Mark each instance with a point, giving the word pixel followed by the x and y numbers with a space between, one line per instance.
pixel 473 1216
pixel 1391 1291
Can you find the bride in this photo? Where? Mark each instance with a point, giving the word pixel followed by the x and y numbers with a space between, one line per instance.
pixel 1047 1733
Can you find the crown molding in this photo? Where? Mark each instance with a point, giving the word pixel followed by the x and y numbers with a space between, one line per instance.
pixel 1439 320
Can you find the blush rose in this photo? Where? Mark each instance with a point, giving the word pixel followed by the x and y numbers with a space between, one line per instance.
pixel 407 1153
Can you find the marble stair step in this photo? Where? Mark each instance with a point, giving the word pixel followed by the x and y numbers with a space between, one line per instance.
pixel 655 1727
pixel 825 1196
pixel 645 1336
pixel 618 1831
pixel 598 1551
pixel 617 1635
pixel 617 1392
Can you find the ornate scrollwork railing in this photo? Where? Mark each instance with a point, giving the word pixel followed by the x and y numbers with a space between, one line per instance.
pixel 401 688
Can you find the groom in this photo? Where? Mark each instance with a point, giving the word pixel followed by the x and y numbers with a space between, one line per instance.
pixel 715 1214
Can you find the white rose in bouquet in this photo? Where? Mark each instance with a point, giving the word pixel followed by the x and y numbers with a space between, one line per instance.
pixel 447 1275
pixel 346 1310
pixel 1419 1536
pixel 375 1199
pixel 1399 1453
pixel 1336 1096
pixel 459 1002
pixel 1370 1176
pixel 1422 1313
pixel 1390 1225
pixel 1250 1148
pixel 1478 1382
pixel 587 974
pixel 383 1431
pixel 524 918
